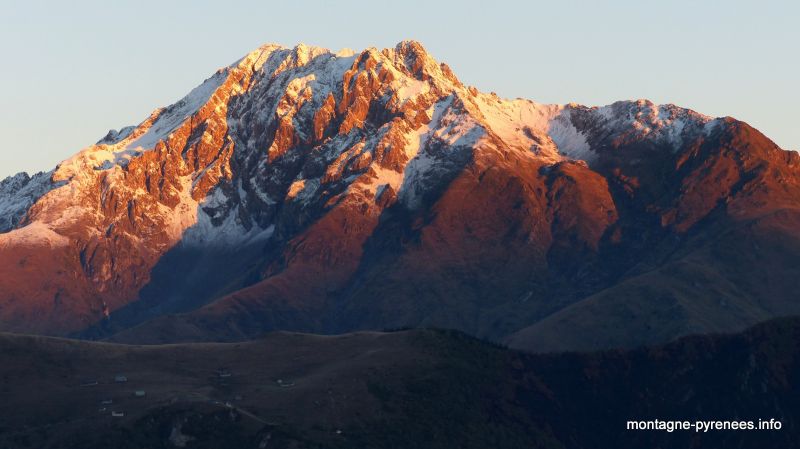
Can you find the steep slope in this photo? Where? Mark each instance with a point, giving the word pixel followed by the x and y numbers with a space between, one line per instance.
pixel 730 261
pixel 308 190
pixel 420 388
pixel 17 194
pixel 126 201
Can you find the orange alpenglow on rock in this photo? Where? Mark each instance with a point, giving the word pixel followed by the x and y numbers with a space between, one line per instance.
pixel 304 189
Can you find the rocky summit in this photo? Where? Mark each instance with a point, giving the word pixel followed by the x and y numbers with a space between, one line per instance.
pixel 305 190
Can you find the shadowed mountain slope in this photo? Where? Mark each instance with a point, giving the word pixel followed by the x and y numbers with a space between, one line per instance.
pixel 420 388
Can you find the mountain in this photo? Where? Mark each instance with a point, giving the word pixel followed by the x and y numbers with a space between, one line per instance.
pixel 305 190
pixel 417 388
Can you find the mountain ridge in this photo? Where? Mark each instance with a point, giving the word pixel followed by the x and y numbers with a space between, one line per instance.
pixel 303 189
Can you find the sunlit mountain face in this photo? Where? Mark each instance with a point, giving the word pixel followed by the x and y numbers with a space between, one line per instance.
pixel 356 250
pixel 305 190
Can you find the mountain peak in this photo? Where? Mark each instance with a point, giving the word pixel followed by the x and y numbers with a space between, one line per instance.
pixel 294 165
pixel 410 46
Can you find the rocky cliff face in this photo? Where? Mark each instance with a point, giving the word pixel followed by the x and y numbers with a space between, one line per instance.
pixel 18 193
pixel 308 190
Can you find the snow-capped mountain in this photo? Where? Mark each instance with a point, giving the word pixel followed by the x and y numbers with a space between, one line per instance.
pixel 304 189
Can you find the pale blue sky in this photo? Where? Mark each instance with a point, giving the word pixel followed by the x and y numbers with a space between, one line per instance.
pixel 71 72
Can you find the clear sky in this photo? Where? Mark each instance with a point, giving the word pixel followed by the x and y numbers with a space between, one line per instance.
pixel 73 70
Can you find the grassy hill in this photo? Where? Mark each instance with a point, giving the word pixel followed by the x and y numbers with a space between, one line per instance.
pixel 414 388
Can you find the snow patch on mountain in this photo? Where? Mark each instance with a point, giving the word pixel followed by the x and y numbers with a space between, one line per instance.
pixel 33 234
pixel 18 193
pixel 544 129
pixel 430 144
pixel 711 126
pixel 170 118
pixel 115 136
pixel 117 148
pixel 568 140
pixel 379 178
pixel 405 87
pixel 665 124
pixel 230 233
pixel 554 132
